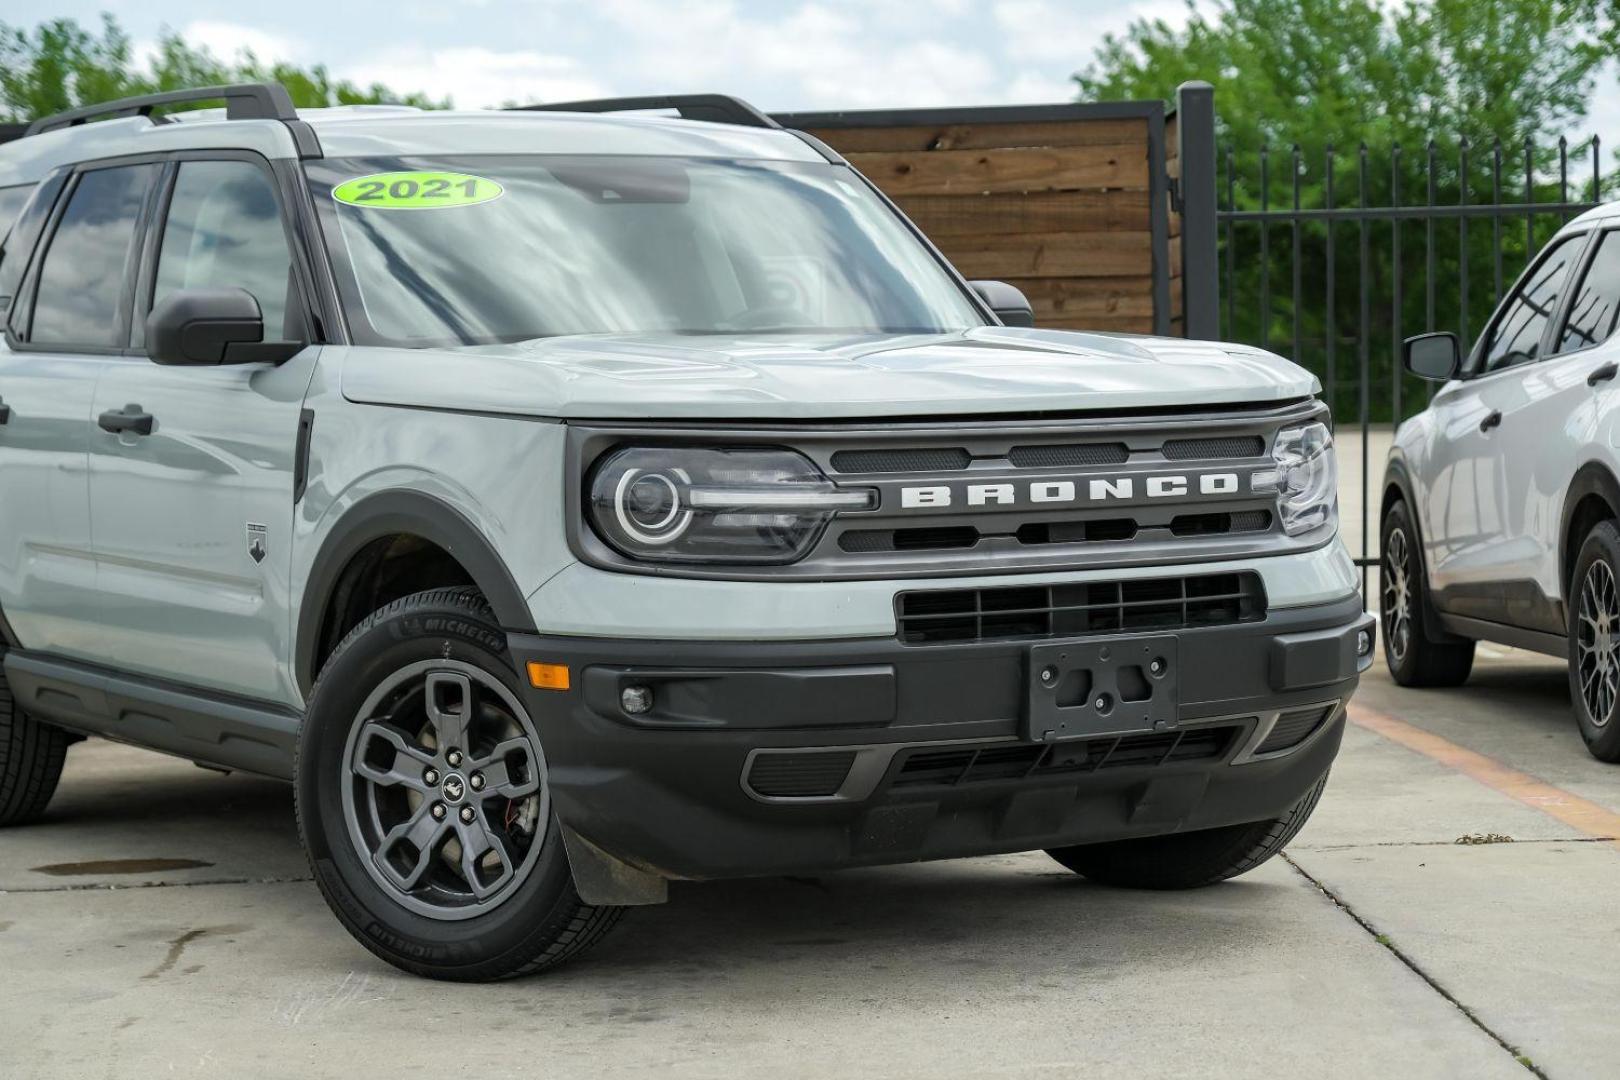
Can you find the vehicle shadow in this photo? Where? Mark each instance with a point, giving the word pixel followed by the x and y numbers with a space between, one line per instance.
pixel 1016 918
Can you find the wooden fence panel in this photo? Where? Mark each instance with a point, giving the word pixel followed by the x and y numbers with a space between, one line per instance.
pixel 1057 200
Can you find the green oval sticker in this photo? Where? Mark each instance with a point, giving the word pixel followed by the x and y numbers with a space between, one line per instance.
pixel 417 190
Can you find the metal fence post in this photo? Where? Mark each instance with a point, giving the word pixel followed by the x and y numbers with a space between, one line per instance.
pixel 1200 239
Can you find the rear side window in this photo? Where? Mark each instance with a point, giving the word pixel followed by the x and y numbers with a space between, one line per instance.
pixel 16 244
pixel 11 204
pixel 1515 337
pixel 81 281
pixel 224 229
pixel 1592 315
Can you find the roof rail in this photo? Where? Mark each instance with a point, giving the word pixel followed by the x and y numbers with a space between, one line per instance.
pixel 243 101
pixel 715 108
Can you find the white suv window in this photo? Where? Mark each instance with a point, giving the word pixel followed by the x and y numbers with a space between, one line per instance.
pixel 1592 315
pixel 1515 336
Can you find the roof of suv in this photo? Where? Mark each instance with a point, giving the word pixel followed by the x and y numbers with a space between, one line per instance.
pixel 1596 214
pixel 371 131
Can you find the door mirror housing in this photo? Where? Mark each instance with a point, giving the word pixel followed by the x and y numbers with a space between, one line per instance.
pixel 211 327
pixel 1010 305
pixel 1432 356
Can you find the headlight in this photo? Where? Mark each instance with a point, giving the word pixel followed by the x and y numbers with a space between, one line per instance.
pixel 693 504
pixel 1306 479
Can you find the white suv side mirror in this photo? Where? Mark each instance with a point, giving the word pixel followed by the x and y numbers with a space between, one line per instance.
pixel 1432 356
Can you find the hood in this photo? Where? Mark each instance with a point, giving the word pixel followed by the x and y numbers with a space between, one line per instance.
pixel 986 370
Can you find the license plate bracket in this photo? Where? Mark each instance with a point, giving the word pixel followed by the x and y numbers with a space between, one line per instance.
pixel 1103 686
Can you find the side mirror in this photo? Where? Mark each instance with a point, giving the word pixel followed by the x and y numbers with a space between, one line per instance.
pixel 1432 356
pixel 1010 305
pixel 212 326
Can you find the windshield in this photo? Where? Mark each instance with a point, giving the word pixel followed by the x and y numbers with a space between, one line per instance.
pixel 480 250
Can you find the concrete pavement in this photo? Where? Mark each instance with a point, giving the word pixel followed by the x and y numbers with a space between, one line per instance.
pixel 161 923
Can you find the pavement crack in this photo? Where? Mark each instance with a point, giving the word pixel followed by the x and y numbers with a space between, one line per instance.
pixel 1412 965
pixel 1459 843
pixel 114 886
pixel 176 947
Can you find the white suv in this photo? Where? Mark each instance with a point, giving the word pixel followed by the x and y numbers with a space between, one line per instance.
pixel 1500 502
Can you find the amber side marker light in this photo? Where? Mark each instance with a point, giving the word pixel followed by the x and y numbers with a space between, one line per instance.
pixel 548 676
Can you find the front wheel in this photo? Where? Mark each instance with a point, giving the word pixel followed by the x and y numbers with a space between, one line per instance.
pixel 1189 860
pixel 1414 658
pixel 423 802
pixel 1594 642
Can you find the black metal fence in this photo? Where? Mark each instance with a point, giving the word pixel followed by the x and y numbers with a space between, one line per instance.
pixel 1332 258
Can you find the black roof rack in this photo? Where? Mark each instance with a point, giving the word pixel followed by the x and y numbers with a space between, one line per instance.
pixel 243 101
pixel 715 108
pixel 12 131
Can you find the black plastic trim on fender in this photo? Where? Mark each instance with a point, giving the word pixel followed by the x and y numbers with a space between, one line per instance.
pixel 417 514
pixel 220 730
pixel 1590 479
pixel 1434 627
pixel 306 427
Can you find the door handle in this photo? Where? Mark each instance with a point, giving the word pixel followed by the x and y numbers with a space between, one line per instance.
pixel 5 412
pixel 1603 374
pixel 130 418
pixel 1491 421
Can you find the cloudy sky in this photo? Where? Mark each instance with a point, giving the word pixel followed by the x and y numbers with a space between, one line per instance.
pixel 781 54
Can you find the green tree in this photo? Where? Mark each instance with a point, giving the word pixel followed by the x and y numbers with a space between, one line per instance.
pixel 59 65
pixel 1310 71
pixel 1324 79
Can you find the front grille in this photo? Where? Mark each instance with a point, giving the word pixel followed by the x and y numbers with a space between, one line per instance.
pixel 1233 446
pixel 1293 728
pixel 972 765
pixel 937 538
pixel 1052 457
pixel 1241 521
pixel 1095 531
pixel 943 459
pixel 1035 533
pixel 948 616
pixel 947 497
pixel 962 537
pixel 800 775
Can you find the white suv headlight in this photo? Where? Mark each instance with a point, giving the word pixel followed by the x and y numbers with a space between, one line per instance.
pixel 1306 479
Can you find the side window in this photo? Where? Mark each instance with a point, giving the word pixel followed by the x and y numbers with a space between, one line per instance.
pixel 1592 315
pixel 224 229
pixel 1515 336
pixel 16 245
pixel 11 204
pixel 81 281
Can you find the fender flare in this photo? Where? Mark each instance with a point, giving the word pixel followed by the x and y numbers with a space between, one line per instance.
pixel 1593 478
pixel 419 514
pixel 1395 475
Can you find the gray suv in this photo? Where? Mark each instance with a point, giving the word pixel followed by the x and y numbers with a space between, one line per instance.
pixel 568 502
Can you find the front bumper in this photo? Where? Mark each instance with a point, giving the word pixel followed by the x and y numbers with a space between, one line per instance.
pixel 876 752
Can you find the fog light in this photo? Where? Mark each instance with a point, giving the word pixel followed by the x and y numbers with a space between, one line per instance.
pixel 636 700
pixel 1364 642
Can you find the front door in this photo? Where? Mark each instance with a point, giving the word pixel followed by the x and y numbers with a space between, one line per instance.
pixel 192 512
pixel 1478 526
